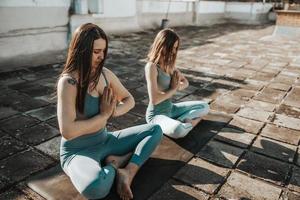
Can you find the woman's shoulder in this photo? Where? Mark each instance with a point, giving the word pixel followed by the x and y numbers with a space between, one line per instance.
pixel 106 70
pixel 107 73
pixel 151 67
pixel 151 64
pixel 67 82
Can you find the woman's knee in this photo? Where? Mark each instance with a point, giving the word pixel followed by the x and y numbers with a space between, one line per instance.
pixel 97 188
pixel 180 131
pixel 157 131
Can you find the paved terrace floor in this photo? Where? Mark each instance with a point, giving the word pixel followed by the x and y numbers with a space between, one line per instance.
pixel 246 148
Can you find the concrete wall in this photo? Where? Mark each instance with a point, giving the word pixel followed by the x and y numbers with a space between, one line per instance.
pixel 32 32
pixel 134 15
pixel 151 12
pixel 114 16
pixel 117 16
pixel 247 12
pixel 210 12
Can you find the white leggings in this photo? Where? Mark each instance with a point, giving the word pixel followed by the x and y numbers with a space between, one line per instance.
pixel 173 123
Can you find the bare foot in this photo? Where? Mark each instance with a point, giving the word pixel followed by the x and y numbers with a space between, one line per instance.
pixel 118 161
pixel 194 122
pixel 123 184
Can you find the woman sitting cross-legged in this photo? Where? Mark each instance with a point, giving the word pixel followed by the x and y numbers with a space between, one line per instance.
pixel 88 96
pixel 163 81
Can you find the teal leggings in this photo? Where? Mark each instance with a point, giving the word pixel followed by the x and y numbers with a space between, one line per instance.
pixel 171 117
pixel 81 157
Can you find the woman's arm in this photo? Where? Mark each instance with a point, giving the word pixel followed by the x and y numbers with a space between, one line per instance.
pixel 183 82
pixel 124 98
pixel 66 112
pixel 155 95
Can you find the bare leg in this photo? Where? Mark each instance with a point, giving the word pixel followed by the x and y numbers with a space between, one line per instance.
pixel 194 122
pixel 118 161
pixel 124 179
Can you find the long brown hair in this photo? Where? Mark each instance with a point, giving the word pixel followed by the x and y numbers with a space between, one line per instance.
pixel 162 49
pixel 79 59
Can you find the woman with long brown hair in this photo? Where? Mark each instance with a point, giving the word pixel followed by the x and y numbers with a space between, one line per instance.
pixel 163 81
pixel 88 96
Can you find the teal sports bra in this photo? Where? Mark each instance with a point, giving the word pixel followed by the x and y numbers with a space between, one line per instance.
pixel 163 79
pixel 91 103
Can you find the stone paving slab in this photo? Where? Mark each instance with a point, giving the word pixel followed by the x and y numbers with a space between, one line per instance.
pixel 227 84
pixel 239 186
pixel 279 86
pixel 262 76
pixel 17 123
pixel 138 94
pixel 33 76
pixel 173 190
pixel 295 180
pixel 9 145
pixel 127 120
pixel 282 134
pixel 11 81
pixel 48 99
pixel 189 90
pixel 21 102
pixel 4 182
pixel 220 153
pixel 32 89
pixel 44 113
pixel 6 112
pixel 29 104
pixel 255 114
pixel 288 122
pixel 50 147
pixel 293 98
pixel 48 81
pixel 289 111
pixel 13 74
pixel 202 175
pixel 224 106
pixel 261 105
pixel 217 117
pixel 272 69
pixel 22 186
pixel 220 86
pixel 263 167
pixel 207 95
pixel 53 122
pixel 241 74
pixel 281 78
pixel 36 134
pixel 28 162
pixel 298 158
pixel 275 149
pixel 246 125
pixel 288 195
pixel 255 85
pixel 235 137
pixel 14 194
pixel 243 94
pixel 139 109
pixel 270 95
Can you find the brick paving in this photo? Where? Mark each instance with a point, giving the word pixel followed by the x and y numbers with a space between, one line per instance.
pixel 246 148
